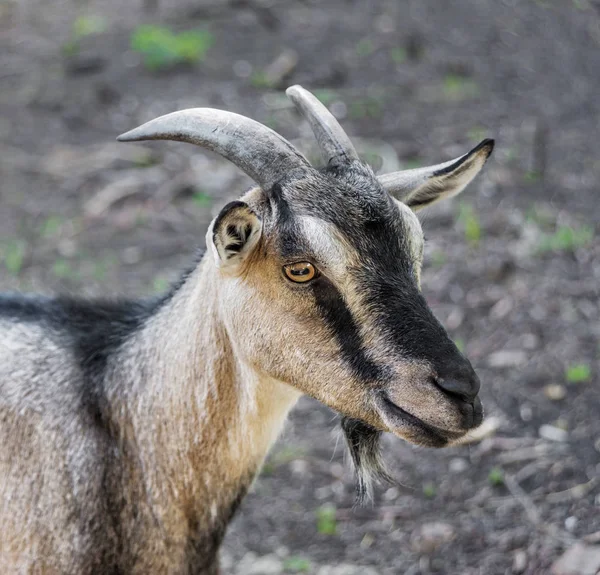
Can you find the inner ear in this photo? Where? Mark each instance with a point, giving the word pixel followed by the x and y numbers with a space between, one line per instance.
pixel 422 187
pixel 234 233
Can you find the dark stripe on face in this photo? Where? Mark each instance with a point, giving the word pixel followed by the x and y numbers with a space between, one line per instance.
pixel 388 281
pixel 337 316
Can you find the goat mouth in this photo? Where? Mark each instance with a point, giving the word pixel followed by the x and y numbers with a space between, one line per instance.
pixel 412 427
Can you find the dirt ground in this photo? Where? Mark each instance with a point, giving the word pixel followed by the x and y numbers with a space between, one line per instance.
pixel 512 267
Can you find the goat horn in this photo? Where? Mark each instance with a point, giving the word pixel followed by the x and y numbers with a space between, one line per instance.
pixel 331 137
pixel 257 150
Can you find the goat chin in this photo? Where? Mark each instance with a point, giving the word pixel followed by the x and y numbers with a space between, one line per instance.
pixel 364 445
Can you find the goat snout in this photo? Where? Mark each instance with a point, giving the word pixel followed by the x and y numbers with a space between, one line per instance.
pixel 463 392
pixel 464 384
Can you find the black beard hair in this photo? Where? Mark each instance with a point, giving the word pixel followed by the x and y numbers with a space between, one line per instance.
pixel 364 445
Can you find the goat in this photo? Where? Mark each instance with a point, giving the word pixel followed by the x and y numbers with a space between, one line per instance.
pixel 130 431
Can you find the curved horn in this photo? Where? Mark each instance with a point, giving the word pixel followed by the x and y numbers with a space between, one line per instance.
pixel 332 139
pixel 257 150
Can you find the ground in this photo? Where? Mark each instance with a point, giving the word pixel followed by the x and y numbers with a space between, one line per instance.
pixel 512 268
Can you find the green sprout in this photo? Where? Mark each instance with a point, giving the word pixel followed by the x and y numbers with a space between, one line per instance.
pixel 458 87
pixel 14 255
pixel 297 564
pixel 496 477
pixel 365 47
pixel 579 373
pixel 162 49
pixel 566 238
pixel 429 490
pixel 326 96
pixel 398 55
pixel 471 225
pixel 326 520
pixel 82 27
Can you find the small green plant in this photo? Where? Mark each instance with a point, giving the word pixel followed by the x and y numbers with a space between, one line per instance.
pixel 366 108
pixel 531 176
pixel 297 564
pixel 202 199
pixel 460 344
pixel 82 27
pixel 458 88
pixel 578 373
pixel 398 55
pixel 14 255
pixel 496 477
pixel 51 226
pixel 429 490
pixel 88 26
pixel 566 238
pixel 145 160
pixel 470 222
pixel 260 80
pixel 411 164
pixel 541 216
pixel 438 258
pixel 62 269
pixel 326 520
pixel 326 96
pixel 365 47
pixel 162 49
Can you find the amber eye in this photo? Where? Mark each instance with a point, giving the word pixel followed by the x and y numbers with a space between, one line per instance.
pixel 300 272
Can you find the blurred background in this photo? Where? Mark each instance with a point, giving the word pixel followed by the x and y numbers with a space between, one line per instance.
pixel 512 267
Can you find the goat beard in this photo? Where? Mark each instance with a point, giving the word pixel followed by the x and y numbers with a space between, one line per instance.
pixel 364 445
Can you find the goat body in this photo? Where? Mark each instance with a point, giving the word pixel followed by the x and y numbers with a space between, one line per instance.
pixel 129 432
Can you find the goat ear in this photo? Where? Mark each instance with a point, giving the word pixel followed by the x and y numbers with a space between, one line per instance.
pixel 233 234
pixel 422 187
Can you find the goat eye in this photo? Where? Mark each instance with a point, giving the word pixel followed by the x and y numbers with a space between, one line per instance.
pixel 300 272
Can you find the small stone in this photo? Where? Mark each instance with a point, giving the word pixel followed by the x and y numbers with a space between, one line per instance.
pixel 579 559
pixel 242 69
pixel 281 68
pixel 552 433
pixel 430 536
pixel 571 523
pixel 346 569
pixel 131 255
pixel 391 494
pixel 299 466
pixel 530 341
pixel 458 465
pixel 519 562
pixel 455 319
pixel 592 537
pixel 339 109
pixel 266 565
pixel 507 358
pixel 555 392
pixel 501 308
pixel 526 412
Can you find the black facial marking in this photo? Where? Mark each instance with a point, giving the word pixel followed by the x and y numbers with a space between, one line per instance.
pixel 352 200
pixel 337 316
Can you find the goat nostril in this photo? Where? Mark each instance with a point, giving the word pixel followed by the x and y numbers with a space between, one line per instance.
pixel 465 390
